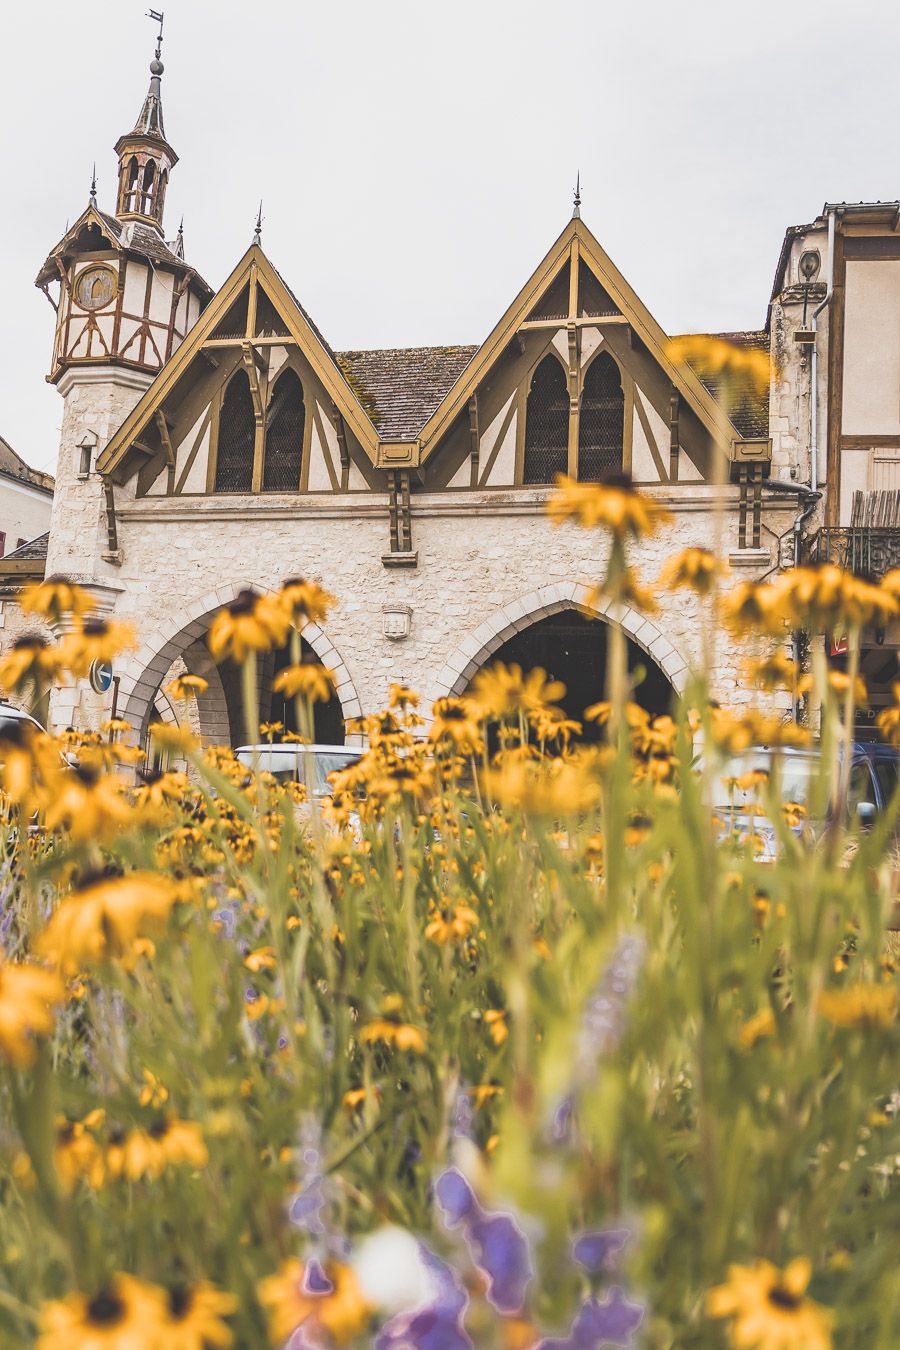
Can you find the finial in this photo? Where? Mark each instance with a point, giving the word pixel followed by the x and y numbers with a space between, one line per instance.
pixel 257 233
pixel 94 186
pixel 576 208
pixel 157 16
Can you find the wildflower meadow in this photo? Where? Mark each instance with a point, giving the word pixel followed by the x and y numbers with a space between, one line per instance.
pixel 511 1043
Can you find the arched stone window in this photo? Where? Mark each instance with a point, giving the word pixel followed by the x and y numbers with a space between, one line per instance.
pixel 285 422
pixel 237 434
pixel 602 423
pixel 546 423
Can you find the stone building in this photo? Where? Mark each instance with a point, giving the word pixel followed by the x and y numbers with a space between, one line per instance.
pixel 214 440
pixel 26 496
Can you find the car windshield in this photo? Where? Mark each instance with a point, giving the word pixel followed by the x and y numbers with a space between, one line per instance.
pixel 9 725
pixel 288 762
pixel 738 784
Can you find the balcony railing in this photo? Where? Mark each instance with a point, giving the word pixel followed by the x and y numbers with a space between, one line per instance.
pixel 866 551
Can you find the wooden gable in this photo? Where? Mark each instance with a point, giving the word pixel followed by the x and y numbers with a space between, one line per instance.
pixel 253 313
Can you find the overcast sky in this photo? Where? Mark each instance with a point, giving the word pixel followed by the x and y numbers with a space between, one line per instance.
pixel 416 160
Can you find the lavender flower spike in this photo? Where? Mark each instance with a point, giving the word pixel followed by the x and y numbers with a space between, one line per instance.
pixel 496 1243
pixel 612 1322
pixel 598 1250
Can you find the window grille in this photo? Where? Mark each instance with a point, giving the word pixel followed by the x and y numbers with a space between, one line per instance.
pixel 547 423
pixel 285 422
pixel 602 421
pixel 237 434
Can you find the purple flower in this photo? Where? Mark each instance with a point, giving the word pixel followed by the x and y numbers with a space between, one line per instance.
pixel 437 1326
pixel 611 1322
pixel 598 1250
pixel 496 1243
pixel 315 1281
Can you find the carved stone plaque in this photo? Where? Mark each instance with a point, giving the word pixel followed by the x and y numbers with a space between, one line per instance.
pixel 396 621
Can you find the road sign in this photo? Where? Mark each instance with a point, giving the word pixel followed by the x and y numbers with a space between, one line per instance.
pixel 100 676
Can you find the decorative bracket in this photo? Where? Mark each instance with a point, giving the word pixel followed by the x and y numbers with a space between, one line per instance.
pixel 113 553
pixel 402 553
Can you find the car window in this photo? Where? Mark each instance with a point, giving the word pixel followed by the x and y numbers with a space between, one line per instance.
pixel 886 773
pixel 735 784
pixel 861 788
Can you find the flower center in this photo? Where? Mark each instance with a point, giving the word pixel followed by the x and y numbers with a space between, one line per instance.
pixel 783 1298
pixel 180 1300
pixel 105 1310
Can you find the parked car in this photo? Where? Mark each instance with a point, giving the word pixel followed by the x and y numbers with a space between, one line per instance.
pixel 12 717
pixel 737 800
pixel 307 764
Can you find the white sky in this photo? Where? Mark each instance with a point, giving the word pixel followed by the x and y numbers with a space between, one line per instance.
pixel 416 160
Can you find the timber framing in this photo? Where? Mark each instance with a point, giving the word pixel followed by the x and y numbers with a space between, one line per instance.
pixel 253 270
pixel 577 244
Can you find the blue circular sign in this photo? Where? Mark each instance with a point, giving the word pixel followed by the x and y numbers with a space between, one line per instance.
pixel 100 676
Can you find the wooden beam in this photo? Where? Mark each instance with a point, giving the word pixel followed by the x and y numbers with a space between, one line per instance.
pixel 340 431
pixel 249 358
pixel 592 321
pixel 283 341
pixel 870 442
pixel 835 401
pixel 144 448
pixel 674 443
pixel 574 372
pixel 474 440
pixel 251 300
pixel 169 449
pixel 573 280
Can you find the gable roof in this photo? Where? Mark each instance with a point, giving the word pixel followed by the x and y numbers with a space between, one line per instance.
pixel 400 387
pixel 253 267
pixel 14 466
pixel 576 235
pixel 132 237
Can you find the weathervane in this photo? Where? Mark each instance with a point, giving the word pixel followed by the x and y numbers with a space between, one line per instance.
pixel 576 209
pixel 157 15
pixel 257 233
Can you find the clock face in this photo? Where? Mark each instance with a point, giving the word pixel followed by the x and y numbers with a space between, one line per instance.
pixel 96 287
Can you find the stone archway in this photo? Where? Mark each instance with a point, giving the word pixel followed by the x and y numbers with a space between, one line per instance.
pixel 516 615
pixel 142 672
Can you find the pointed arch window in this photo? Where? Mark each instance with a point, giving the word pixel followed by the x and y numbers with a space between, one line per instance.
pixel 149 179
pixel 285 424
pixel 546 423
pixel 237 435
pixel 602 423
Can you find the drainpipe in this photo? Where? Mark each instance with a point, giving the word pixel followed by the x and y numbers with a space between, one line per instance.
pixel 814 398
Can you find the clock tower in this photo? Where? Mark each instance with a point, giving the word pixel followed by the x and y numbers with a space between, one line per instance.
pixel 125 298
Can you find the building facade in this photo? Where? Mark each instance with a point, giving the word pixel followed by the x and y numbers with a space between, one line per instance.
pixel 215 441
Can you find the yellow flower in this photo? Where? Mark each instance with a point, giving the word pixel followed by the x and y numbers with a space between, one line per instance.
pixel 85 804
pixel 304 601
pixel 774 672
pixel 770 1308
pixel 192 1318
pixel 401 1034
pixel 262 959
pixel 615 503
pixel 153 1093
pixel 859 1005
pixel 751 607
pixel 456 720
pixel 626 588
pixel 147 1153
pixel 838 683
pixel 126 1314
pixel 829 599
pixel 186 686
pixel 452 925
pixel 28 994
pixel 31 657
pixel 749 369
pixel 104 918
pixel 342 1313
pixel 251 623
pixel 760 1024
pixel 553 787
pixel 401 696
pixel 495 1018
pixel 77 1154
pixel 95 640
pixel 171 736
pixel 503 691
pixel 697 569
pixel 54 598
pixel 888 720
pixel 309 680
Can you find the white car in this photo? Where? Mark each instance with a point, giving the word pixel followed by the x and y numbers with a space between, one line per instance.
pixel 307 764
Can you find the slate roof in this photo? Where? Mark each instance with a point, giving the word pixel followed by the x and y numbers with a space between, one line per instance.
pixel 14 466
pixel 400 387
pixel 751 417
pixel 34 551
pixel 133 237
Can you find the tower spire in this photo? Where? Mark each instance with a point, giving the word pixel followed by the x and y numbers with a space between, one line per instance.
pixel 576 205
pixel 257 233
pixel 93 196
pixel 145 157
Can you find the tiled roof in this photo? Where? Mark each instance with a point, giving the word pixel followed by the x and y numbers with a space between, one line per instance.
pixel 35 550
pixel 750 418
pixel 402 386
pixel 14 466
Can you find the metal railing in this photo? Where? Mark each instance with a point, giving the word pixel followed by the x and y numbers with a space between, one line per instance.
pixel 866 551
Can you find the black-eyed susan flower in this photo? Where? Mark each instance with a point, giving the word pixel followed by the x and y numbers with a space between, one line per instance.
pixel 304 601
pixel 85 803
pixel 403 1035
pixel 32 659
pixel 126 1314
pixel 614 503
pixel 77 1153
pixel 695 569
pixel 495 1021
pixel 776 671
pixel 451 924
pixel 95 640
pixel 860 1005
pixel 103 919
pixel 193 1317
pixel 744 369
pixel 321 1299
pixel 308 679
pixel 769 1308
pixel 504 691
pixel 251 623
pixel 186 686
pixel 55 598
pixel 168 1142
pixel 28 995
pixel 456 720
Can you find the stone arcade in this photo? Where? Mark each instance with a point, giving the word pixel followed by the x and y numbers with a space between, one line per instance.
pixel 214 441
